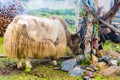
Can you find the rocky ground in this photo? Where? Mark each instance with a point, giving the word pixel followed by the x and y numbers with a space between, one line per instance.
pixel 106 68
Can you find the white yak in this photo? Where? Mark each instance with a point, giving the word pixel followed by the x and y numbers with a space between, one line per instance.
pixel 38 37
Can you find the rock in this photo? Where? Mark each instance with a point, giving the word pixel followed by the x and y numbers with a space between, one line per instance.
pixel 92 68
pixel 76 71
pixel 94 59
pixel 82 67
pixel 112 70
pixel 80 58
pixel 86 78
pixel 105 59
pixel 114 62
pixel 69 64
pixel 89 73
pixel 102 65
pixel 100 53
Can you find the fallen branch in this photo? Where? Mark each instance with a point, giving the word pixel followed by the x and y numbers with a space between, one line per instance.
pixel 61 58
pixel 110 26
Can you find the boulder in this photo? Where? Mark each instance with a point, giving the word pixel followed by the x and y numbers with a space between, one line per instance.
pixel 69 64
pixel 76 71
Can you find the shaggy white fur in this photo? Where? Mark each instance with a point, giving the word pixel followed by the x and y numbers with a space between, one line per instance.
pixel 29 36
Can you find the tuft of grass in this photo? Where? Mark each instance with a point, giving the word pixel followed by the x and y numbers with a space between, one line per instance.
pixel 109 45
pixel 27 69
pixel 23 76
pixel 100 77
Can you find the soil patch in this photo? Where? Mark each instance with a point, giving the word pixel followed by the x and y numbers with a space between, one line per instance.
pixel 10 67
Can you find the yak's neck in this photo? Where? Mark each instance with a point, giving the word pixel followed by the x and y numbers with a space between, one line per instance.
pixel 68 34
pixel 67 31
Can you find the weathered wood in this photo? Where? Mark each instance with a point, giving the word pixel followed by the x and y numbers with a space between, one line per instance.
pixel 110 26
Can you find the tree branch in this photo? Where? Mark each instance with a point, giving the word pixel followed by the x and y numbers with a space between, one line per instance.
pixel 110 15
pixel 110 26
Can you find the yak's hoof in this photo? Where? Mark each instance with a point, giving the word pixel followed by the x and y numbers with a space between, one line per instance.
pixel 20 67
pixel 29 66
pixel 54 62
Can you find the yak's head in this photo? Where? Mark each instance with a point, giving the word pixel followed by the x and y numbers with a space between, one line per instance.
pixel 74 43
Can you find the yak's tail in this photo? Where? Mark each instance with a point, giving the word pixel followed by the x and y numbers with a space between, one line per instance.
pixel 11 37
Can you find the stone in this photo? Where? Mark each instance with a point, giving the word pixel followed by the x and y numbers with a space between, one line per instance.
pixel 69 64
pixel 89 73
pixel 86 78
pixel 114 62
pixel 105 59
pixel 100 53
pixel 94 59
pixel 76 71
pixel 102 65
pixel 80 58
pixel 92 68
pixel 112 70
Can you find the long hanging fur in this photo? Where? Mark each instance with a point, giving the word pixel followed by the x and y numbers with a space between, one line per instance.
pixel 29 36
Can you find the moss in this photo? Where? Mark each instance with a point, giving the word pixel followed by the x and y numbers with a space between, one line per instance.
pixel 100 77
pixel 109 45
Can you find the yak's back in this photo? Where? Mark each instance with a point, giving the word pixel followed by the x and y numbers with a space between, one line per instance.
pixel 40 28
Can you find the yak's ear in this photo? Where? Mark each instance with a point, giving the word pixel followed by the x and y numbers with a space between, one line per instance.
pixel 75 39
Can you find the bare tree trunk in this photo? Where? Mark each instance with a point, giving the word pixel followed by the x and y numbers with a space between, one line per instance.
pixel 96 9
pixel 77 8
pixel 110 15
